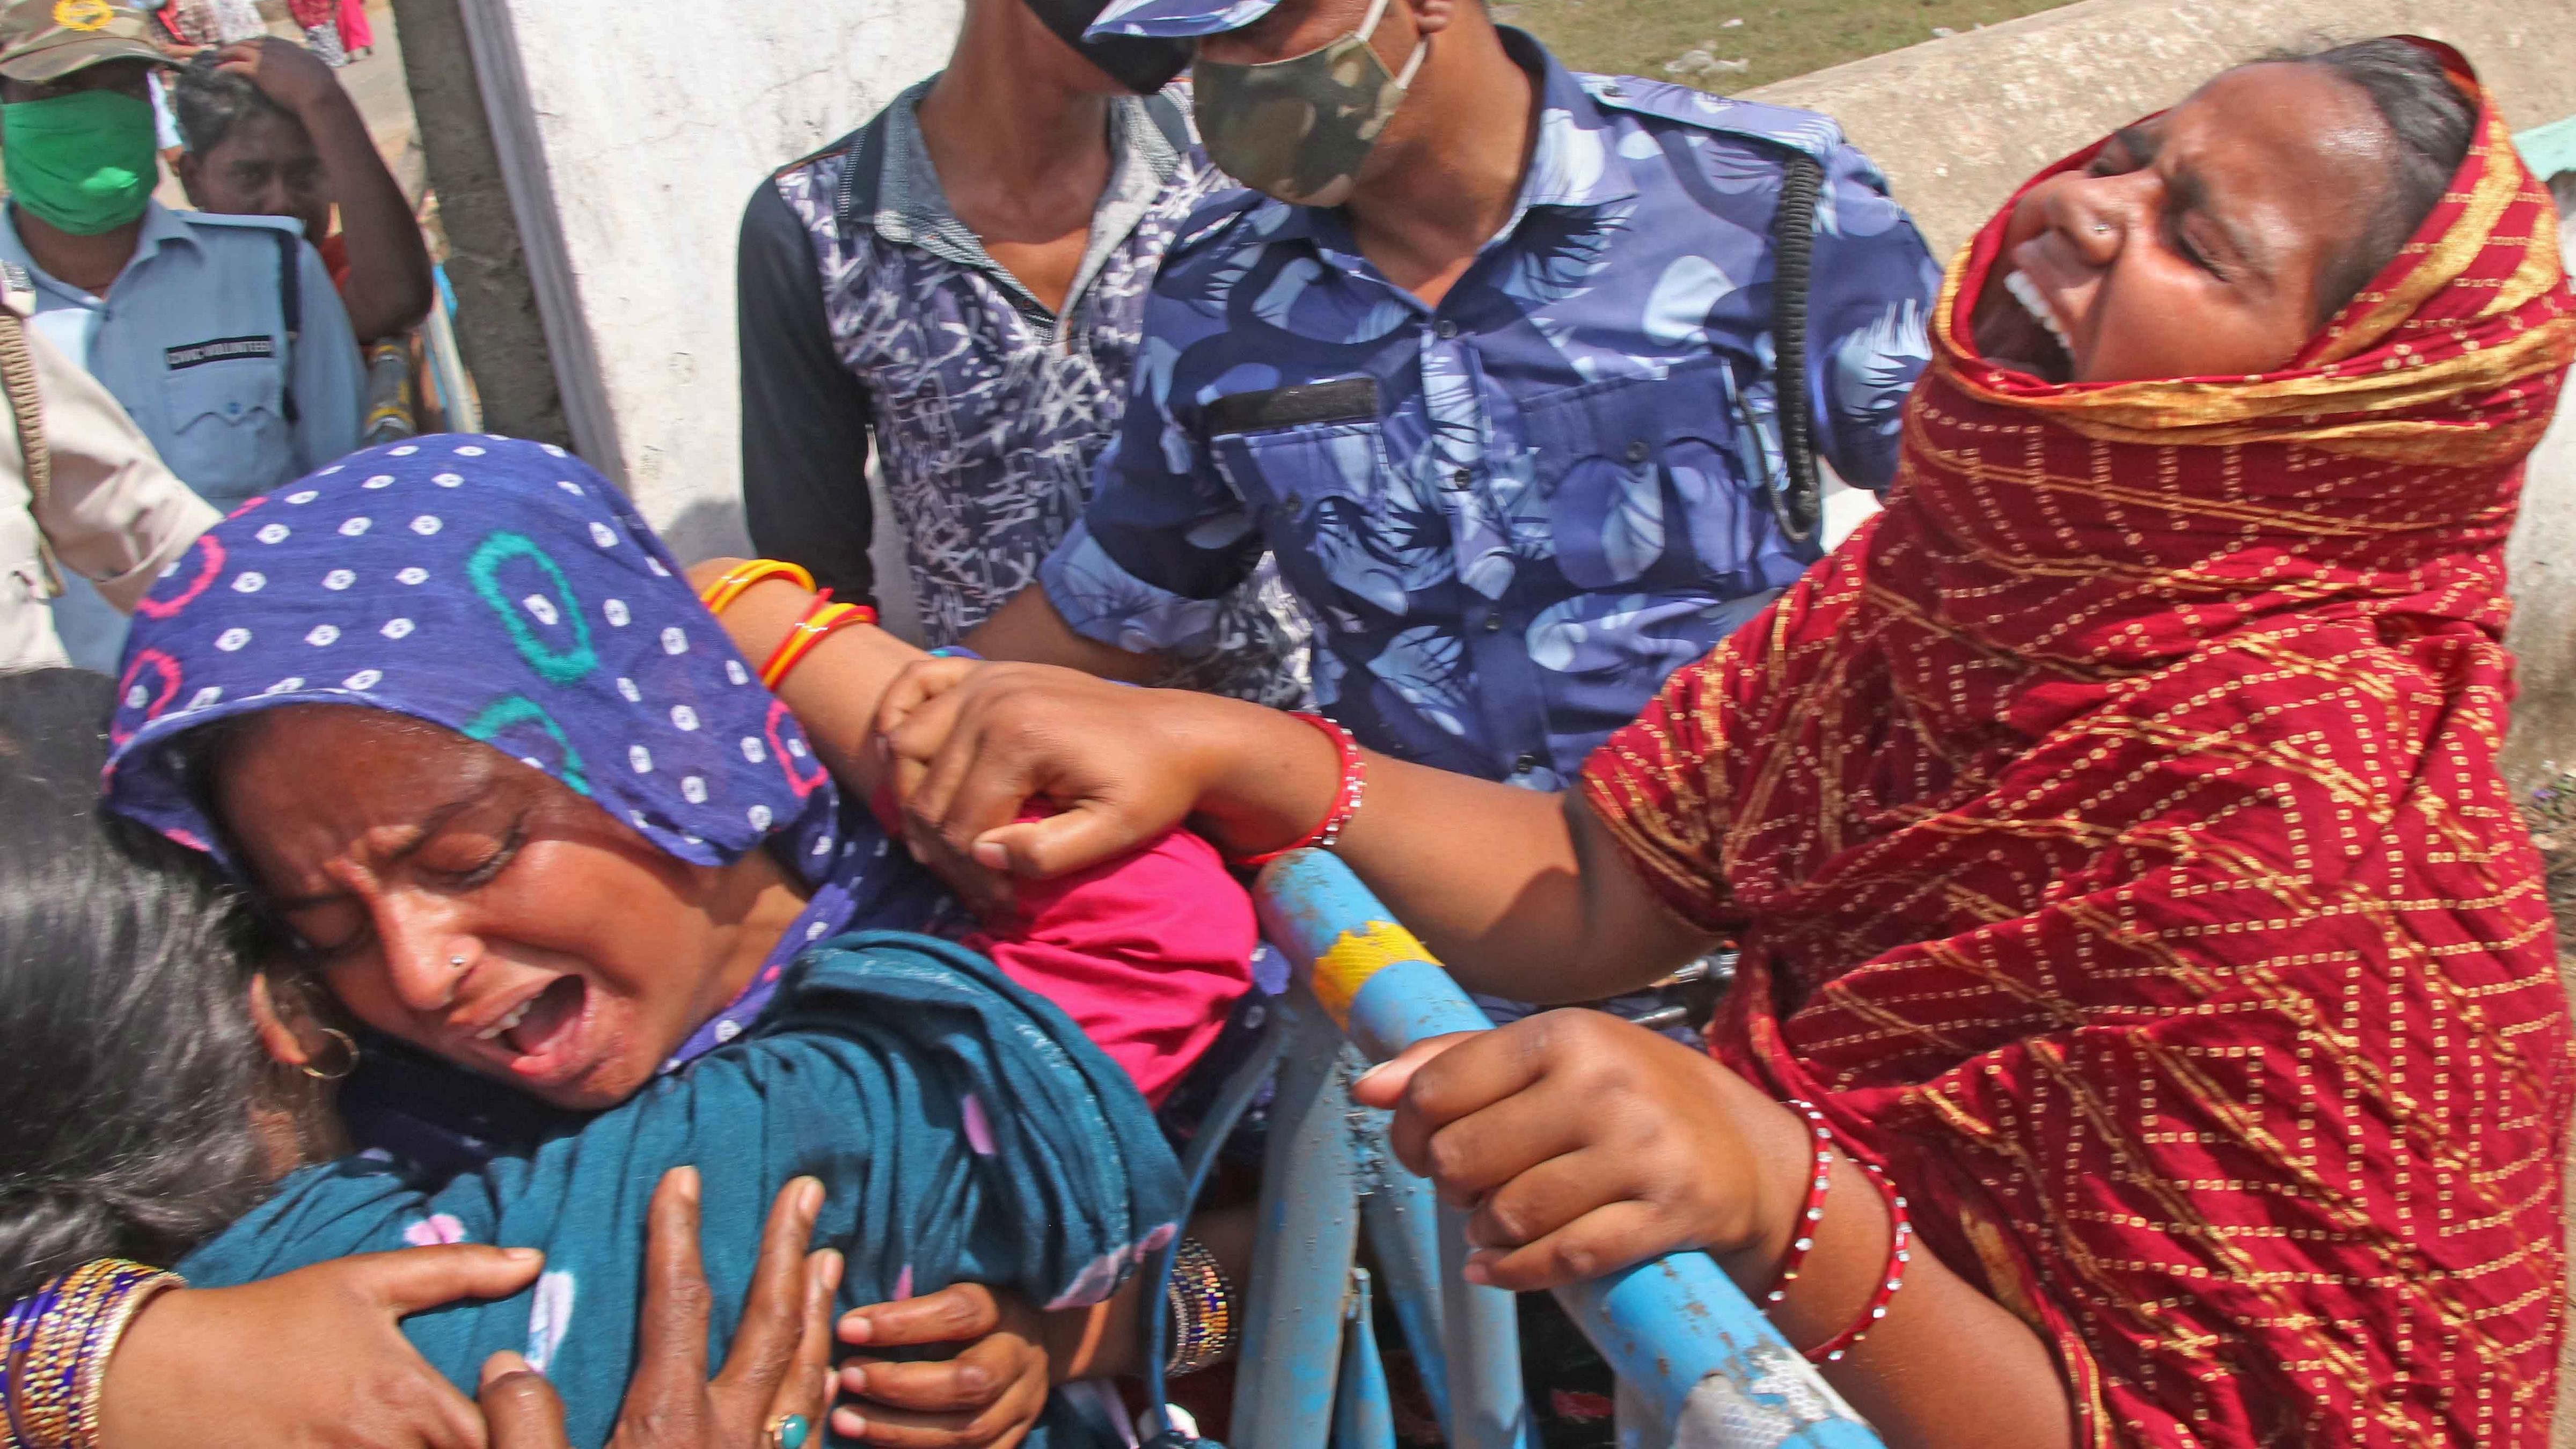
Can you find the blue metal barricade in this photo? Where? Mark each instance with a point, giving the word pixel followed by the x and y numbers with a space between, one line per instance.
pixel 1688 1347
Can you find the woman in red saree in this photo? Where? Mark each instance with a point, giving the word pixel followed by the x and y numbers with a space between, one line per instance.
pixel 2111 828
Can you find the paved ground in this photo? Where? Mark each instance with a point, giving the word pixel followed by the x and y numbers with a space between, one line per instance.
pixel 376 84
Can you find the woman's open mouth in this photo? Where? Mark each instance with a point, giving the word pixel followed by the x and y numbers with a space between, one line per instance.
pixel 2016 328
pixel 542 1037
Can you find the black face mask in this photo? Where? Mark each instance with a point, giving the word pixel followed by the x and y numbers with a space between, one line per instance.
pixel 1141 65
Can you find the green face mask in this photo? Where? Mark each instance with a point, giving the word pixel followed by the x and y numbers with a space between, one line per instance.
pixel 82 163
pixel 1299 128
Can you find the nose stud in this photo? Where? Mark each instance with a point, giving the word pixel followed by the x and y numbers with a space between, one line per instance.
pixel 455 963
pixel 2101 228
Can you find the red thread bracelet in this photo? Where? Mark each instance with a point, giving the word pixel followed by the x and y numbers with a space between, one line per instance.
pixel 1820 1146
pixel 1346 798
pixel 822 619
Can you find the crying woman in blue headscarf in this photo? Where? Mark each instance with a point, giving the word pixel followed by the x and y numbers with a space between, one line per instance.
pixel 450 712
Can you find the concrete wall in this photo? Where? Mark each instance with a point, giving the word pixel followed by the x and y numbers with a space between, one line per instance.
pixel 629 135
pixel 2542 564
pixel 1959 123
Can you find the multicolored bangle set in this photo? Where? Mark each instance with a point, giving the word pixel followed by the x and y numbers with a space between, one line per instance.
pixel 55 1347
pixel 1821 1143
pixel 822 618
pixel 1200 1300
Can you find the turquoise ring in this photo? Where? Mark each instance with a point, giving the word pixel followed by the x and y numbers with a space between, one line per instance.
pixel 789 1431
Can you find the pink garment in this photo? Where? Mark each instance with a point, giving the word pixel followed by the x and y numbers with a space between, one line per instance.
pixel 355 33
pixel 1147 954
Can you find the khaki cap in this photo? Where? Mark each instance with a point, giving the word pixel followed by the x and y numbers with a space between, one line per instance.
pixel 45 40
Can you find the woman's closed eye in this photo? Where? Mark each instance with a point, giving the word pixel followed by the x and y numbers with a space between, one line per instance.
pixel 457 857
pixel 464 860
pixel 2178 236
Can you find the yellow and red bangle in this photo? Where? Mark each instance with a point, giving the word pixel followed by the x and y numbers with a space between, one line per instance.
pixel 1346 798
pixel 729 588
pixel 822 620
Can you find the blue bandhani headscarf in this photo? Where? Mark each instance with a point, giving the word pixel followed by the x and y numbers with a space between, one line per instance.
pixel 506 591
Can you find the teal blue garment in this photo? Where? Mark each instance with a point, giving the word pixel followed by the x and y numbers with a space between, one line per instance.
pixel 963 1128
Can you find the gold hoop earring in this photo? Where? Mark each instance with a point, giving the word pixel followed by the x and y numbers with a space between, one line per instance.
pixel 348 1044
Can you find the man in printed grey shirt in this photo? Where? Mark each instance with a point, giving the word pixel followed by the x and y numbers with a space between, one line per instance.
pixel 960 283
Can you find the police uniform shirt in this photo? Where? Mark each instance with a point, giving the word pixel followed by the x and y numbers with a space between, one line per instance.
pixel 192 339
pixel 1514 513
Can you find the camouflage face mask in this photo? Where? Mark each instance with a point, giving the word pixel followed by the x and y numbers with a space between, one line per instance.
pixel 1299 128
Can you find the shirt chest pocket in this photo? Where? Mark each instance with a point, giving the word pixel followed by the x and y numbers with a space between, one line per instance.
pixel 1644 479
pixel 228 433
pixel 1318 494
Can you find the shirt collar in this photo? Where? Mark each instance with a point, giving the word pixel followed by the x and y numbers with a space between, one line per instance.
pixel 913 209
pixel 1574 162
pixel 161 227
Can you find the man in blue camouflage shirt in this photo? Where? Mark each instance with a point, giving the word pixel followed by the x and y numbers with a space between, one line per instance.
pixel 1486 363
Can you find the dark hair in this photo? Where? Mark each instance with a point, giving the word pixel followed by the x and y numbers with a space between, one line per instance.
pixel 210 102
pixel 2433 122
pixel 129 1061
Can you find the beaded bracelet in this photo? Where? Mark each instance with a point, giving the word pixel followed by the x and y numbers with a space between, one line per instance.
pixel 1820 1146
pixel 1899 1252
pixel 822 620
pixel 729 588
pixel 56 1348
pixel 1200 1301
pixel 1346 798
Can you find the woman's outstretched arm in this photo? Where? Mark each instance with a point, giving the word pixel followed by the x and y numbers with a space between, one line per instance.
pixel 1515 890
pixel 1584 1144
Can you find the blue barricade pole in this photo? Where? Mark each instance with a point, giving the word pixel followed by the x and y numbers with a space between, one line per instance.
pixel 1676 1328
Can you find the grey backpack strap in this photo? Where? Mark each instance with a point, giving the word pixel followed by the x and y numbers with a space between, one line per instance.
pixel 290 302
pixel 1799 502
pixel 27 406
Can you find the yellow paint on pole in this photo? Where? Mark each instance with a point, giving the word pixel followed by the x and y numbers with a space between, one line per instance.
pixel 1361 953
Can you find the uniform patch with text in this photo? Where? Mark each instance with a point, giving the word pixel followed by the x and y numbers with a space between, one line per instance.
pixel 220 349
